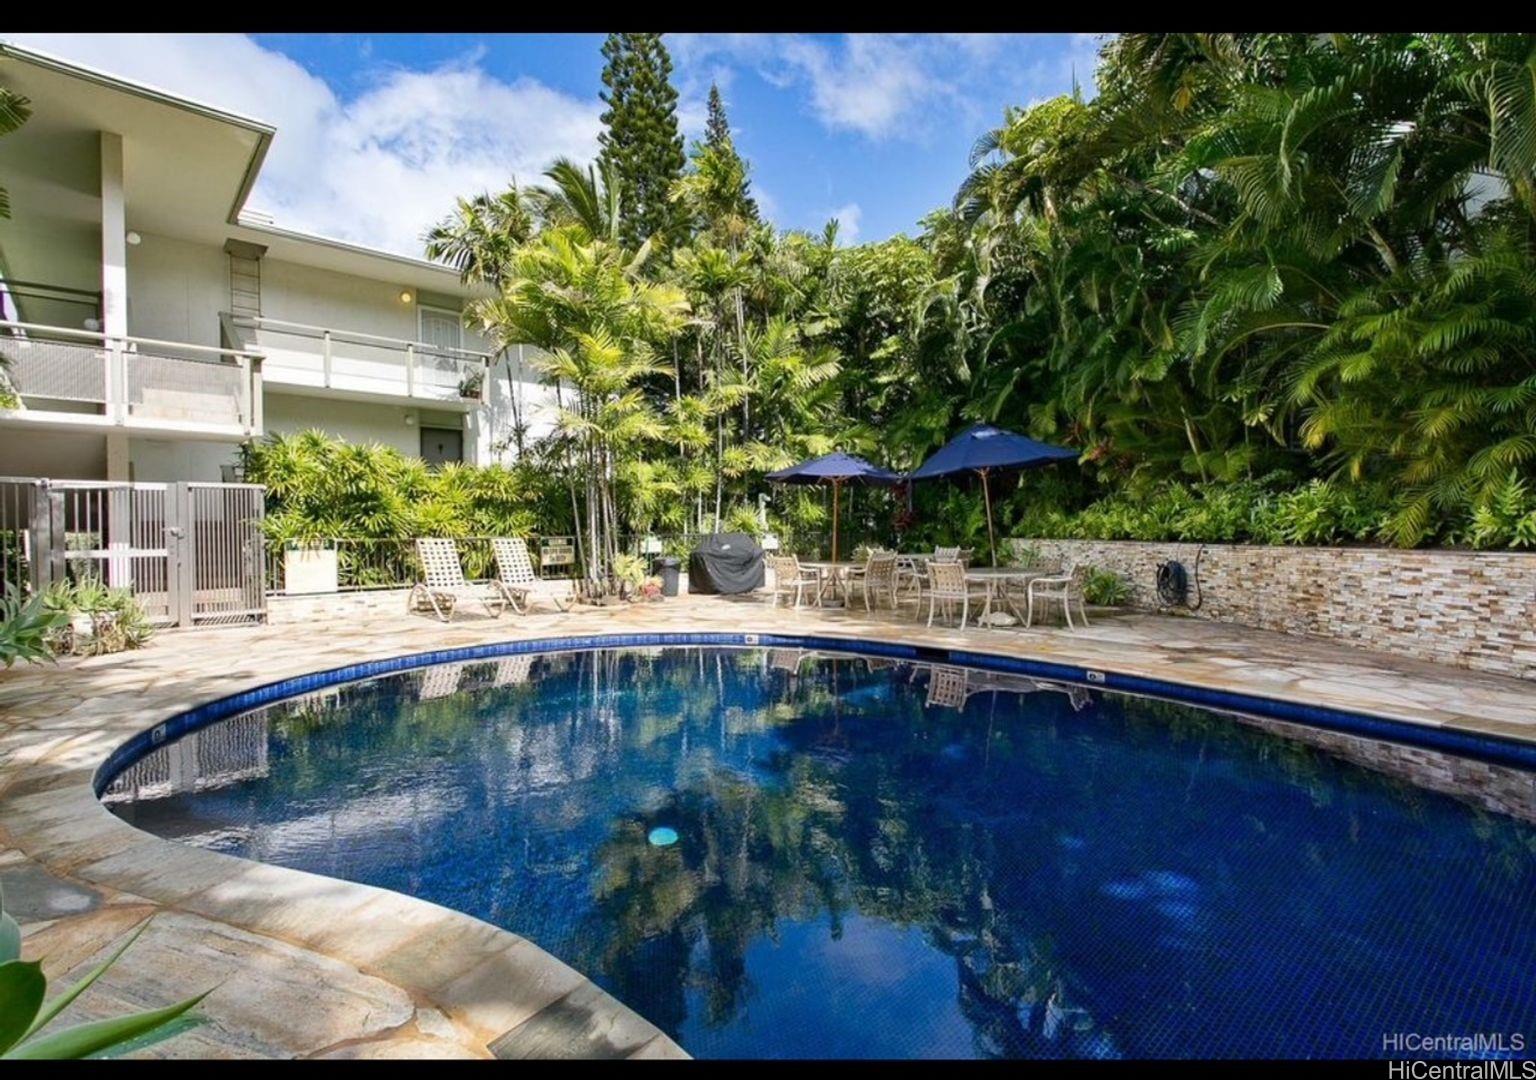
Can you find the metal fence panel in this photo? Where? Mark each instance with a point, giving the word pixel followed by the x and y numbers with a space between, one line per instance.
pixel 191 553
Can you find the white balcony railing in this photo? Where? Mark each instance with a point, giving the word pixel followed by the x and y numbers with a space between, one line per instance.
pixel 350 361
pixel 83 378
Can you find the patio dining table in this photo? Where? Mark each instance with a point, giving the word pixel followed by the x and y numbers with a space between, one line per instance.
pixel 1004 584
pixel 834 577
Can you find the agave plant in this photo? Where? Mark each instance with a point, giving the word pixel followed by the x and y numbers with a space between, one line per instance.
pixel 26 626
pixel 25 1012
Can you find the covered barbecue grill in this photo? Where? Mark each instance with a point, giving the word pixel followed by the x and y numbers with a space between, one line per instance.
pixel 725 563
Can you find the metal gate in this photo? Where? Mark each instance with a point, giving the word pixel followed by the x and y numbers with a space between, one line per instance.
pixel 192 553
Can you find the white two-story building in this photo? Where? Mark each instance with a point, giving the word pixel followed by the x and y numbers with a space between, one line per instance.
pixel 152 324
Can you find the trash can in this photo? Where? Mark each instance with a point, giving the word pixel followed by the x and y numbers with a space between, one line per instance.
pixel 668 566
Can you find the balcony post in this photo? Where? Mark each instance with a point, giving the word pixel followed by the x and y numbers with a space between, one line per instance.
pixel 114 297
pixel 325 355
pixel 258 420
pixel 410 369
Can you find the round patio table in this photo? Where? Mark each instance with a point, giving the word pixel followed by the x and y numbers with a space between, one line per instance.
pixel 834 576
pixel 1003 583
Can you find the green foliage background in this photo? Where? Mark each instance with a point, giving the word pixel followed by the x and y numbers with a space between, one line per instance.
pixel 1275 287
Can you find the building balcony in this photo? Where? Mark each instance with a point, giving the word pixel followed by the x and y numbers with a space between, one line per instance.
pixel 80 379
pixel 303 359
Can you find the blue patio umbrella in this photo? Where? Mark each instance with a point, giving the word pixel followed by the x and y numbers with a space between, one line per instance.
pixel 984 449
pixel 836 469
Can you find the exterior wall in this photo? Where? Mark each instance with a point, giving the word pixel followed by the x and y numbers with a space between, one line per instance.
pixel 304 294
pixel 58 455
pixel 1471 609
pixel 176 290
pixel 64 254
pixel 514 388
pixel 170 460
pixel 354 421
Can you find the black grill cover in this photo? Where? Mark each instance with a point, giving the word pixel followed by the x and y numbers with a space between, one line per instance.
pixel 726 563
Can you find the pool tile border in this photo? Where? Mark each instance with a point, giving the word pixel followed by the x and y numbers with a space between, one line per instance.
pixel 1485 747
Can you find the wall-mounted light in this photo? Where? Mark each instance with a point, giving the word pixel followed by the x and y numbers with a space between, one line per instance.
pixel 134 239
pixel 410 419
pixel 405 296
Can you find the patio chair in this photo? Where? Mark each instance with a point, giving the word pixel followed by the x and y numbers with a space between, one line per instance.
pixel 947 586
pixel 443 585
pixel 515 578
pixel 877 580
pixel 789 577
pixel 948 686
pixel 1065 587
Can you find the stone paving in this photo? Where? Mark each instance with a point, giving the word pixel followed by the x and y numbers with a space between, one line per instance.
pixel 307 966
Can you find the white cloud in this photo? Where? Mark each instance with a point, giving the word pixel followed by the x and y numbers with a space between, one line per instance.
pixel 847 217
pixel 897 86
pixel 378 169
pixel 869 86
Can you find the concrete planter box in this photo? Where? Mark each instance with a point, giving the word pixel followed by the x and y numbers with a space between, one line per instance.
pixel 309 570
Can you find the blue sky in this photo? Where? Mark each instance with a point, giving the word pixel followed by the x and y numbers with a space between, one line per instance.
pixel 376 133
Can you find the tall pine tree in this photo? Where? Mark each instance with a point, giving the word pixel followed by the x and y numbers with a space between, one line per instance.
pixel 717 136
pixel 642 149
pixel 717 129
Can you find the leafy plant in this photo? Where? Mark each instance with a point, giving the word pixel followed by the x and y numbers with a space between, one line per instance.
pixel 114 616
pixel 630 570
pixel 24 1012
pixel 26 625
pixel 1507 518
pixel 1105 588
pixel 470 385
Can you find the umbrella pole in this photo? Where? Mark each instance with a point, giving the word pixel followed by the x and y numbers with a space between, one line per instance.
pixel 836 484
pixel 986 494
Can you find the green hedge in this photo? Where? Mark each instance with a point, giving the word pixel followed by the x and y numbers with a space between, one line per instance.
pixel 1267 512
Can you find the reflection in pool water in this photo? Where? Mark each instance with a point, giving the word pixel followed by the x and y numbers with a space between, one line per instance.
pixel 883 859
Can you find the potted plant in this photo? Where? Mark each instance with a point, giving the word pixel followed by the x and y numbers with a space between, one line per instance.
pixel 309 566
pixel 471 384
pixel 629 571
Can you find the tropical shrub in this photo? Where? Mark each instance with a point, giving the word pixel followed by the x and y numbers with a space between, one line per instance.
pixel 24 1012
pixel 1507 518
pixel 321 487
pixel 1254 511
pixel 94 618
pixel 1106 588
pixel 26 625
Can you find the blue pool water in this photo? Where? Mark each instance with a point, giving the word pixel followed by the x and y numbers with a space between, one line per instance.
pixel 872 859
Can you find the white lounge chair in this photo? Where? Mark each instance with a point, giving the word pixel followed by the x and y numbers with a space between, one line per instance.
pixel 515 578
pixel 443 585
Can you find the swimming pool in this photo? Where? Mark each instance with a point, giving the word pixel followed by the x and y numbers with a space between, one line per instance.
pixel 785 851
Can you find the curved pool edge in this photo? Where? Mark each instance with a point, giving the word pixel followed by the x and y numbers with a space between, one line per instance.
pixel 59 821
pixel 1497 749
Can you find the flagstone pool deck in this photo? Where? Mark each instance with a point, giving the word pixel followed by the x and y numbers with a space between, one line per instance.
pixel 306 966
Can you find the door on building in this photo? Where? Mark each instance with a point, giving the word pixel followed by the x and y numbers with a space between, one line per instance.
pixel 441 332
pixel 441 444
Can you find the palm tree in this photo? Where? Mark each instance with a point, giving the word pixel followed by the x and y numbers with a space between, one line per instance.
pixel 478 239
pixel 575 196
pixel 583 302
pixel 14 111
